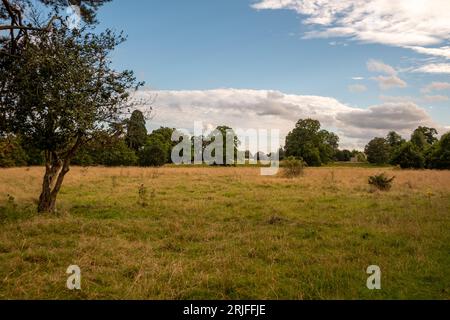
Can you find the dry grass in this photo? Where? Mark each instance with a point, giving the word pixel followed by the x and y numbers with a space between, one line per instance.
pixel 226 233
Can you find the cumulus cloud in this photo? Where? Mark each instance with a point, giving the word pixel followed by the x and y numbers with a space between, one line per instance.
pixel 265 109
pixel 357 88
pixel 419 23
pixel 436 86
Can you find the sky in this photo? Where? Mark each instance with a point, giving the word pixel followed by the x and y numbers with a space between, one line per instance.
pixel 361 67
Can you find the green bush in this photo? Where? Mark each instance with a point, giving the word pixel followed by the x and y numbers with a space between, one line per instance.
pixel 381 182
pixel 293 167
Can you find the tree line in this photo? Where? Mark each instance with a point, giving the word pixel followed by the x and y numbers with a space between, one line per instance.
pixel 307 142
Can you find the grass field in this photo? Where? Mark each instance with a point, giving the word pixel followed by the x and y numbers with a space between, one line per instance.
pixel 226 233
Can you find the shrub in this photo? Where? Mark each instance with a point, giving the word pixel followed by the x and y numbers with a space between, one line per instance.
pixel 293 167
pixel 381 182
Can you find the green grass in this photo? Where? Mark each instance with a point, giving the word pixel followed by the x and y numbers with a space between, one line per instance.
pixel 226 233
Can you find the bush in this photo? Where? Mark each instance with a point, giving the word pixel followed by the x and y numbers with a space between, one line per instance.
pixel 293 167
pixel 381 182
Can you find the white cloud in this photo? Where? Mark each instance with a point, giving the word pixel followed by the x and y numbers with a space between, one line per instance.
pixel 381 67
pixel 385 82
pixel 357 88
pixel 434 68
pixel 397 98
pixel 265 109
pixel 436 98
pixel 357 78
pixel 399 23
pixel 436 86
pixel 443 52
pixel 388 82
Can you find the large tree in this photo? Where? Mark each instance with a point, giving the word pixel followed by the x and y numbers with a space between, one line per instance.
pixel 136 131
pixel 60 91
pixel 378 151
pixel 311 144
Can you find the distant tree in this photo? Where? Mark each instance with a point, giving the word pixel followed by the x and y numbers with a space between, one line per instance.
pixel 248 154
pixel 164 134
pixel 439 155
pixel 261 156
pixel 281 154
pixel 343 155
pixel 378 151
pixel 428 133
pixel 154 153
pixel 117 154
pixel 226 133
pixel 311 144
pixel 408 156
pixel 419 140
pixel 105 151
pixel 394 139
pixel 136 131
pixel 12 153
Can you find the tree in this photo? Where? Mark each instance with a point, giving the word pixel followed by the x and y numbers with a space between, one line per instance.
pixel 428 133
pixel 439 155
pixel 311 144
pixel 419 140
pixel 378 151
pixel 165 135
pixel 60 92
pixel 408 156
pixel 153 154
pixel 136 131
pixel 225 133
pixel 343 155
pixel 394 139
pixel 12 153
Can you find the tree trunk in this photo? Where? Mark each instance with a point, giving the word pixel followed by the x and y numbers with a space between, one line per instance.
pixel 55 171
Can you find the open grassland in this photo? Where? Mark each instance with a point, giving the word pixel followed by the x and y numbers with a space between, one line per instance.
pixel 226 233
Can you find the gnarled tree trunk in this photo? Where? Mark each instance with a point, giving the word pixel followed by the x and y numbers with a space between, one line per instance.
pixel 55 172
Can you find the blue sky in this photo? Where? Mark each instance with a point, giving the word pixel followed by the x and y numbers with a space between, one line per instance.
pixel 285 46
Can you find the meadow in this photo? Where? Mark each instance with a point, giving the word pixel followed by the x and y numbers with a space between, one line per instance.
pixel 226 233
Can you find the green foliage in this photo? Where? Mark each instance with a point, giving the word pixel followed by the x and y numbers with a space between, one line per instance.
pixel 378 151
pixel 394 139
pixel 343 155
pixel 12 153
pixel 293 167
pixel 314 146
pixel 136 131
pixel 408 156
pixel 381 182
pixel 438 156
pixel 424 136
pixel 154 153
